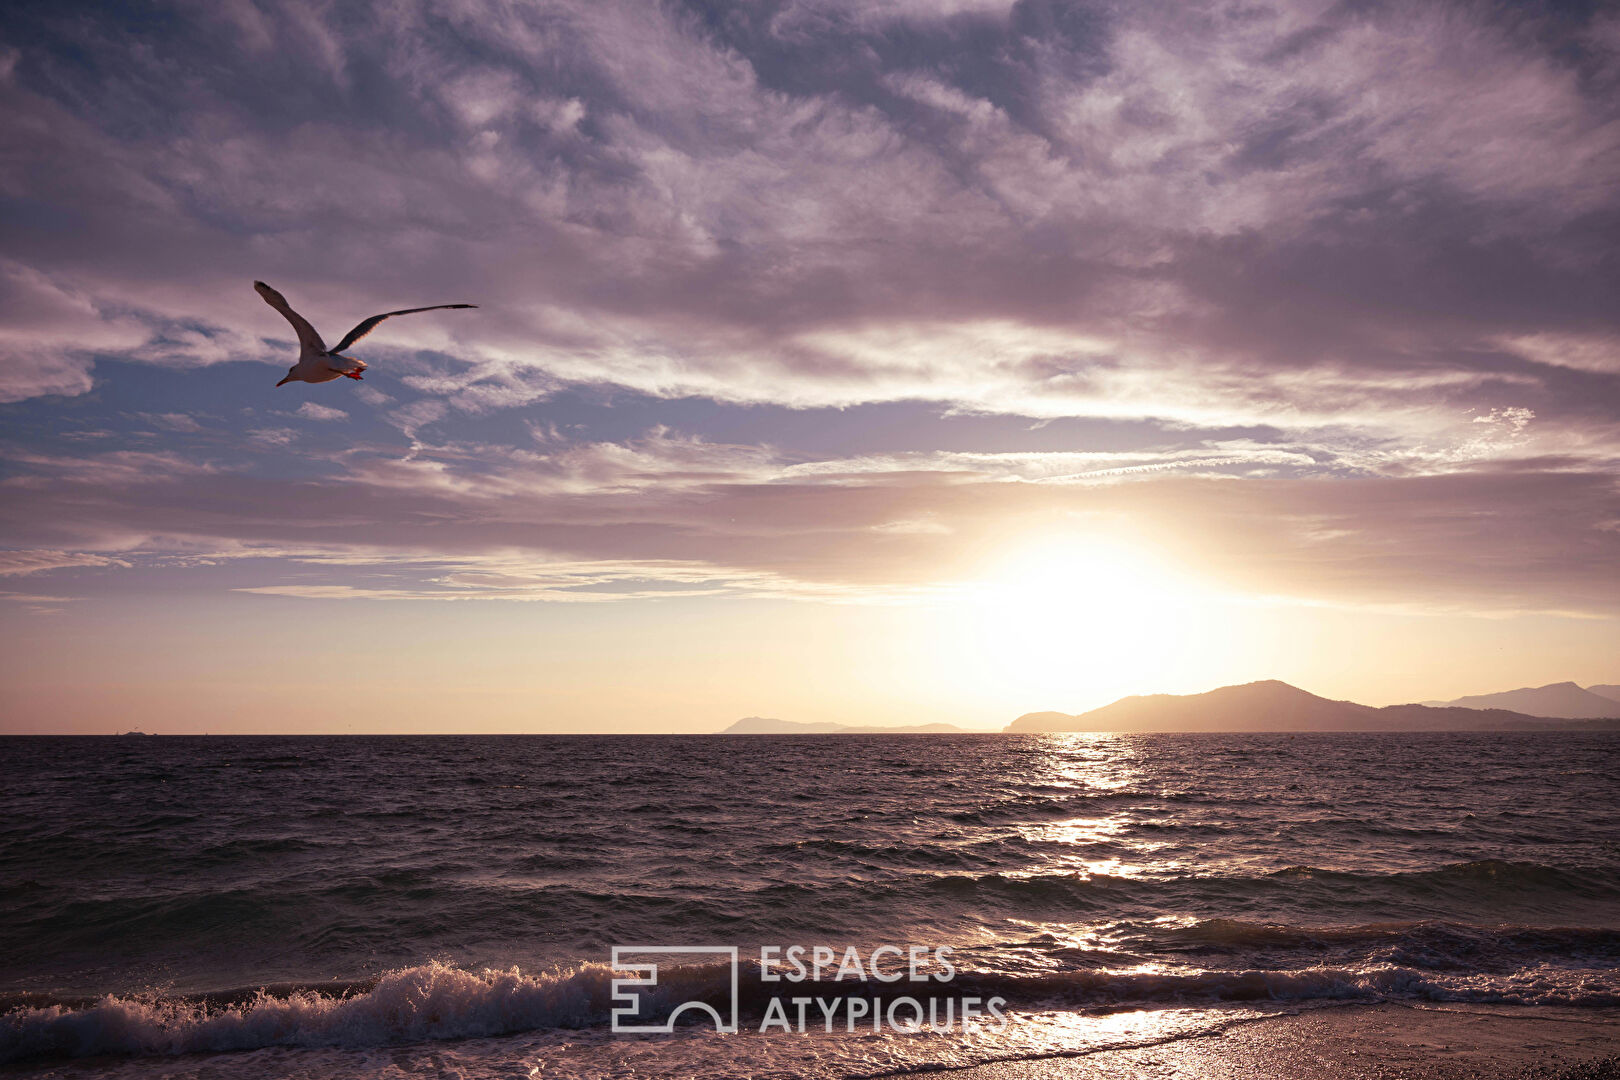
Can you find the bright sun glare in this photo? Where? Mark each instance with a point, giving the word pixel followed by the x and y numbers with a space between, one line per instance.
pixel 1065 617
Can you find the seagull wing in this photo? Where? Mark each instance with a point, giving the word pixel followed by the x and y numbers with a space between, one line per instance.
pixel 371 324
pixel 308 339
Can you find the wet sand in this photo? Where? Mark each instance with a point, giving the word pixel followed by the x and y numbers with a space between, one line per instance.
pixel 1368 1042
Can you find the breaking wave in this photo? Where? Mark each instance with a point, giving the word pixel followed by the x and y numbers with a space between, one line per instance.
pixel 438 1001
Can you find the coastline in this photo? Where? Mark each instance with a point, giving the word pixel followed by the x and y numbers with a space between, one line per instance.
pixel 1333 1041
pixel 1381 1041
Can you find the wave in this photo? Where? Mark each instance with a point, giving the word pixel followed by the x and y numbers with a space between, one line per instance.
pixel 1588 944
pixel 433 909
pixel 433 1001
pixel 946 886
pixel 438 1001
pixel 1517 875
pixel 1455 890
pixel 1578 988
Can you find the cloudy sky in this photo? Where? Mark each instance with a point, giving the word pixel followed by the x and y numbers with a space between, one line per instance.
pixel 900 361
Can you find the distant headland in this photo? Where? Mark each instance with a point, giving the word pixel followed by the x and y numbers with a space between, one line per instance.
pixel 1565 700
pixel 1272 705
pixel 1276 706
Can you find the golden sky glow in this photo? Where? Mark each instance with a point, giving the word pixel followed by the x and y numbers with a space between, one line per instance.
pixel 895 364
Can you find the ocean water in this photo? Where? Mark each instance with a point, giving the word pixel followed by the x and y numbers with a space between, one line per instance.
pixel 297 906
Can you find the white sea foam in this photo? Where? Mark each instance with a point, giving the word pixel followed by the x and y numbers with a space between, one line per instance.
pixel 434 1001
pixel 438 1001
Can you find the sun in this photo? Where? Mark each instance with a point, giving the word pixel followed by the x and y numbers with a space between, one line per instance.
pixel 1065 617
pixel 1051 581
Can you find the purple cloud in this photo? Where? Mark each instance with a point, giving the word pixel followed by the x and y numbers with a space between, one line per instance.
pixel 1383 234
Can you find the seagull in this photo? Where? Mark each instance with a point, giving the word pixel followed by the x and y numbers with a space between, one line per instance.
pixel 317 363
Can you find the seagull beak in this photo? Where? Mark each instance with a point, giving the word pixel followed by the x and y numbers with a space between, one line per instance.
pixel 285 381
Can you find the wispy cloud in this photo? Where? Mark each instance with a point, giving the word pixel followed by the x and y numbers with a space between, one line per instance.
pixel 1111 211
pixel 1347 268
pixel 667 515
pixel 311 411
pixel 37 562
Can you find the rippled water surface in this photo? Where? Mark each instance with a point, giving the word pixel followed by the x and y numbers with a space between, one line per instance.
pixel 1068 871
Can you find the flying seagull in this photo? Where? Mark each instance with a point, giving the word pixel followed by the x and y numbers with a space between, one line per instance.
pixel 317 363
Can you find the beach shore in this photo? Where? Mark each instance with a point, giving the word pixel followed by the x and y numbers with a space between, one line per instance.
pixel 1363 1042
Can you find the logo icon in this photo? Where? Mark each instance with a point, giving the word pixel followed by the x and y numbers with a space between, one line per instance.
pixel 624 1016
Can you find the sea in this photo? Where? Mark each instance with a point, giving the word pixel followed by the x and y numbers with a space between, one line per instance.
pixel 449 906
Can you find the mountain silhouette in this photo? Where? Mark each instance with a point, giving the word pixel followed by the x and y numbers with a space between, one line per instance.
pixel 1275 706
pixel 1563 699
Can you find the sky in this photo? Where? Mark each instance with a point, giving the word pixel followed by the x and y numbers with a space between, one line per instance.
pixel 925 360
